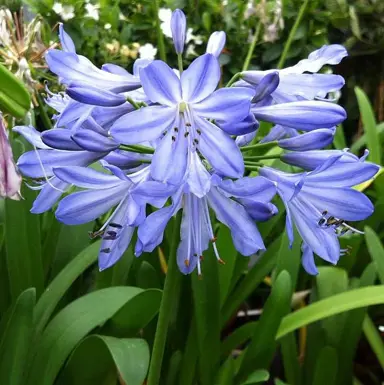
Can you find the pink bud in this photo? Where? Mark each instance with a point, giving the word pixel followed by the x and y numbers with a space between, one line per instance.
pixel 10 179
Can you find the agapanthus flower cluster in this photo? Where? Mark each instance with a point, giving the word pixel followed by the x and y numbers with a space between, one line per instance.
pixel 172 139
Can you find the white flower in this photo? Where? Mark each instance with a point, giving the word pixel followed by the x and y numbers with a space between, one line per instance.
pixel 66 12
pixel 57 8
pixel 191 37
pixel 165 16
pixel 108 26
pixel 92 11
pixel 147 51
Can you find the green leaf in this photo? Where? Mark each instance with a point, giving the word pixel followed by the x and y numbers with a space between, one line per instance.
pixel 339 140
pixel 237 338
pixel 376 251
pixel 100 358
pixel 135 314
pixel 262 347
pixel 63 281
pixel 369 124
pixel 14 97
pixel 72 324
pixel 15 341
pixel 228 254
pixel 353 299
pixel 352 331
pixel 326 367
pixel 361 142
pixel 226 373
pixel 254 277
pixel 257 377
pixel 331 281
pixel 174 367
pixel 147 276
pixel 374 339
pixel 23 241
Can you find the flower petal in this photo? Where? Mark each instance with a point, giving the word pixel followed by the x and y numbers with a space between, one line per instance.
pixel 259 211
pixel 267 85
pixel 228 104
pixel 305 115
pixel 220 150
pixel 243 140
pixel 257 188
pixel 216 43
pixel 178 27
pixel 31 135
pixel 115 69
pixel 344 203
pixel 169 162
pixel 249 125
pixel 308 260
pixel 31 163
pixel 145 124
pixel 245 235
pixel 85 206
pixel 312 140
pixel 49 195
pixel 93 141
pixel 343 174
pixel 65 40
pixel 327 54
pixel 160 83
pixel 199 179
pixel 85 93
pixel 85 177
pixel 200 79
pixel 60 139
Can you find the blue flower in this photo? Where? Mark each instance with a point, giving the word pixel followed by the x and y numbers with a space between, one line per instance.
pixel 178 27
pixel 321 202
pixel 200 192
pixel 295 85
pixel 216 43
pixel 127 193
pixel 181 119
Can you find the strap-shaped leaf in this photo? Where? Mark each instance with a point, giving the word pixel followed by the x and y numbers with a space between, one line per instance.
pixel 14 97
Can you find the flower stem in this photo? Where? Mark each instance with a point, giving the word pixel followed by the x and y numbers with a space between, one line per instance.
pixel 137 148
pixel 167 301
pixel 292 34
pixel 261 157
pixel 134 104
pixel 234 79
pixel 259 146
pixel 252 47
pixel 160 36
pixel 180 62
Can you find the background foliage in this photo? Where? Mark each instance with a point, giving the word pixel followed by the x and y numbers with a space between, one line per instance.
pixel 63 322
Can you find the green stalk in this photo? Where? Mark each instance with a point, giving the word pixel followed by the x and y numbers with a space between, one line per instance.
pixel 137 148
pixel 180 62
pixel 160 36
pixel 261 157
pixel 234 79
pixel 292 34
pixel 374 339
pixel 134 104
pixel 167 301
pixel 252 47
pixel 259 146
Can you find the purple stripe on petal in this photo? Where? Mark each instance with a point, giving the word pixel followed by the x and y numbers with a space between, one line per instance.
pixel 312 140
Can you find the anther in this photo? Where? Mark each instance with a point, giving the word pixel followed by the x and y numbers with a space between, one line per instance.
pixel 213 240
pixel 173 138
pixel 195 255
pixel 198 131
pixel 221 261
pixel 186 262
pixel 196 141
pixel 188 124
pixel 321 221
pixel 201 257
pixel 186 134
pixel 106 250
pixel 325 212
pixel 176 129
pixel 115 225
pixel 165 132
